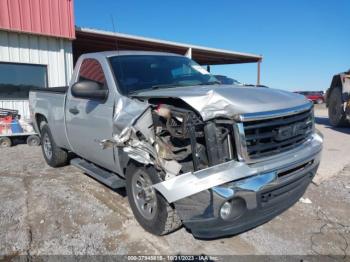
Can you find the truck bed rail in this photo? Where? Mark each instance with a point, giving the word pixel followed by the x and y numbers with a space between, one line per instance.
pixel 59 89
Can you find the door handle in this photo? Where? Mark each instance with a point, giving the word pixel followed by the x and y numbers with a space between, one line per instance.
pixel 74 110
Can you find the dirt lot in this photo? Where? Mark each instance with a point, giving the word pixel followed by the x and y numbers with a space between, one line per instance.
pixel 62 211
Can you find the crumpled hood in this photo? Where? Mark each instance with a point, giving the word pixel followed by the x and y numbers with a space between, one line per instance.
pixel 227 101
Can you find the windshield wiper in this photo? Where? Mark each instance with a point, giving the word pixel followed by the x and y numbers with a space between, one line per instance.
pixel 165 86
pixel 210 83
pixel 153 88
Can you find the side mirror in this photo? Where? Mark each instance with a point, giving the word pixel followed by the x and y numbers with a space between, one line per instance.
pixel 90 90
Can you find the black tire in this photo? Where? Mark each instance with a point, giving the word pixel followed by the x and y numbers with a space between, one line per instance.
pixel 33 140
pixel 165 218
pixel 336 113
pixel 5 142
pixel 54 156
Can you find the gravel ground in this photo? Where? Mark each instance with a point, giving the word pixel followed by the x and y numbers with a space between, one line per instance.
pixel 46 211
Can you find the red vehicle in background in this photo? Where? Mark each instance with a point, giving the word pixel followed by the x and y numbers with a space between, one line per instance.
pixel 316 97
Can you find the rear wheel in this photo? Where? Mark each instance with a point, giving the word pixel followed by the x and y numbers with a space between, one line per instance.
pixel 54 156
pixel 150 208
pixel 5 142
pixel 336 113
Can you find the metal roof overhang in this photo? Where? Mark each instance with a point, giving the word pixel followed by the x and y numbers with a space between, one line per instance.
pixel 91 40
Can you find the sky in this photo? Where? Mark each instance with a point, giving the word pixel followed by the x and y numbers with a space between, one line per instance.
pixel 303 42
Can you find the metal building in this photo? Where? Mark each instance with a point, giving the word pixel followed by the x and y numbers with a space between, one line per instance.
pixel 35 48
pixel 39 45
pixel 23 51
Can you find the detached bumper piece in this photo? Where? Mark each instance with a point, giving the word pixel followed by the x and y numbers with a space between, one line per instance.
pixel 244 204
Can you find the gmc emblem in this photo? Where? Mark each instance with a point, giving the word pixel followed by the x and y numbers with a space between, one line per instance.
pixel 287 132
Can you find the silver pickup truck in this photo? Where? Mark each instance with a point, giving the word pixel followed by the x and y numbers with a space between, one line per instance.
pixel 218 159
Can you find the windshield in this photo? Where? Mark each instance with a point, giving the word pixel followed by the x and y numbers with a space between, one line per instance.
pixel 144 72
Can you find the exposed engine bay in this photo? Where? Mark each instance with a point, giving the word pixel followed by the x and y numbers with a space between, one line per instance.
pixel 182 136
pixel 170 135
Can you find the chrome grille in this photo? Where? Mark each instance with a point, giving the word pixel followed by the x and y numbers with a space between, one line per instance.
pixel 268 137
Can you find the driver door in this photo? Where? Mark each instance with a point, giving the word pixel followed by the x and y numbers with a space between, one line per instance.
pixel 89 121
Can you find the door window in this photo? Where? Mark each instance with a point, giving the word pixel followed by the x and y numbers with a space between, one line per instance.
pixel 91 70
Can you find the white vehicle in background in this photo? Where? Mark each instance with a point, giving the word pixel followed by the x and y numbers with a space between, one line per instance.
pixel 225 80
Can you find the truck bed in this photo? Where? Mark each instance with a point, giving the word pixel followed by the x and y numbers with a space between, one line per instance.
pixel 50 104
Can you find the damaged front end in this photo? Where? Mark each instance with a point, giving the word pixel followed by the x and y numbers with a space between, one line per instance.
pixel 214 191
pixel 169 135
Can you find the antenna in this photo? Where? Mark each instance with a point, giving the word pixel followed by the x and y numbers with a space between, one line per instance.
pixel 116 41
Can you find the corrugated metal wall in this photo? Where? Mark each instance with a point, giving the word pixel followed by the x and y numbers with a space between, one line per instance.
pixel 45 17
pixel 24 48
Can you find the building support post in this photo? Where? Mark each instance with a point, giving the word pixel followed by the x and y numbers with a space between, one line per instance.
pixel 189 53
pixel 258 76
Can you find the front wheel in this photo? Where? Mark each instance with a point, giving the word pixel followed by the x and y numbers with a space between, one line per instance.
pixel 150 208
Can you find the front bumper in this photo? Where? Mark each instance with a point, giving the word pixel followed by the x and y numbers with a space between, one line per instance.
pixel 268 189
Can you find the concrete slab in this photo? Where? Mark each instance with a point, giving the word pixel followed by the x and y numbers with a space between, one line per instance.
pixel 336 153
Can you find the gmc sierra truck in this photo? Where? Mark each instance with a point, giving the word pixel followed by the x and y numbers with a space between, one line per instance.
pixel 218 159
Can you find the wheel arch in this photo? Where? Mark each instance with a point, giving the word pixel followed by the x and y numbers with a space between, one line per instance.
pixel 138 164
pixel 39 119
